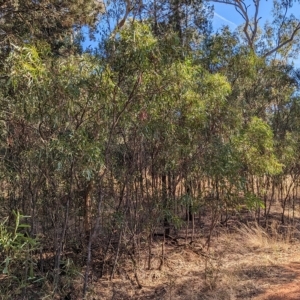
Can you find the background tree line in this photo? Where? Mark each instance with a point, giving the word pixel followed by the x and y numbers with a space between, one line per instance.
pixel 164 123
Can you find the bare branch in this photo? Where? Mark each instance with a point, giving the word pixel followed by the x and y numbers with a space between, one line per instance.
pixel 256 20
pixel 241 7
pixel 250 27
pixel 280 45
pixel 281 25
pixel 128 10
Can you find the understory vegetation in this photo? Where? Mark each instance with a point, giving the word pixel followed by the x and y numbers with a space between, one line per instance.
pixel 167 147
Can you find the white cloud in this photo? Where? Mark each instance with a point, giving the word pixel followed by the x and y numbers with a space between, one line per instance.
pixel 224 19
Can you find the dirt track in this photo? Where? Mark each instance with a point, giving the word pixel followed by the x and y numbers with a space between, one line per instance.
pixel 289 289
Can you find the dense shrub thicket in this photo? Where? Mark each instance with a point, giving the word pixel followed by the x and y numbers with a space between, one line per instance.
pixel 165 121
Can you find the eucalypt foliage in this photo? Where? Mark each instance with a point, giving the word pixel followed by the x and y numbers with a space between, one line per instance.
pixel 16 250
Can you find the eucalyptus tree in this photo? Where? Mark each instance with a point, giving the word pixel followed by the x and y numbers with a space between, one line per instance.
pixel 175 97
pixel 46 94
pixel 279 36
pixel 52 140
pixel 49 20
pixel 260 88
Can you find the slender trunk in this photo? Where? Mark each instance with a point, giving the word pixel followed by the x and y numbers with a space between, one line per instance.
pixel 165 203
pixel 89 248
pixel 117 255
pixel 149 250
pixel 87 209
pixel 60 244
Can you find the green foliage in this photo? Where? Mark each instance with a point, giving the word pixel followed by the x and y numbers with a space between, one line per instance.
pixel 253 202
pixel 51 21
pixel 16 246
pixel 256 146
pixel 25 65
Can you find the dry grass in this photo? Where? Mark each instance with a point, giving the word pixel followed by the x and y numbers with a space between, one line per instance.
pixel 239 265
pixel 243 262
pixel 271 238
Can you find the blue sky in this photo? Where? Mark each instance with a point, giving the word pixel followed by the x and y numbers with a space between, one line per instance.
pixel 226 14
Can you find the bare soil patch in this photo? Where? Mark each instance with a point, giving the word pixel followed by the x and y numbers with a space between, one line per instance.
pixel 288 284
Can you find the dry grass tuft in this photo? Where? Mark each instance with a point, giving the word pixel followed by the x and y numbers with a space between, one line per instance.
pixel 257 237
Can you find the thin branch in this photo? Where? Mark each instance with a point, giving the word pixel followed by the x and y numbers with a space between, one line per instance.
pixel 242 9
pixel 250 30
pixel 279 46
pixel 256 20
pixel 120 24
pixel 281 25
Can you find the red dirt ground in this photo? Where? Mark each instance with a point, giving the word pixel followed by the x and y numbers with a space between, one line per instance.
pixel 286 290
